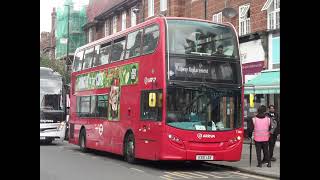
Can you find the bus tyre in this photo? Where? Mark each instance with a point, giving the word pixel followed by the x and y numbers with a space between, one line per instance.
pixel 82 141
pixel 129 152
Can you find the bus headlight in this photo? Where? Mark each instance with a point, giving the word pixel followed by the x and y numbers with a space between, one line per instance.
pixel 176 141
pixel 61 126
pixel 238 137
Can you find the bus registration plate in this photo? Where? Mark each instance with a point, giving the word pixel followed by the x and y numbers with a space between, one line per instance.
pixel 204 157
pixel 42 138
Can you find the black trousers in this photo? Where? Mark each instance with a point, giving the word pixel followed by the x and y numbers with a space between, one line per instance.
pixel 264 146
pixel 272 142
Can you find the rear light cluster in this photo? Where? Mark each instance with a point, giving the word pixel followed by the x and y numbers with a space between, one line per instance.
pixel 176 141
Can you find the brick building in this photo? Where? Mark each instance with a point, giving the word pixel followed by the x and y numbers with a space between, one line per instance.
pixel 257 23
pixel 47 39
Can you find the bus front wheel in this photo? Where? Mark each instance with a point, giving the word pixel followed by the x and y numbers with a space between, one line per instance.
pixel 82 141
pixel 129 152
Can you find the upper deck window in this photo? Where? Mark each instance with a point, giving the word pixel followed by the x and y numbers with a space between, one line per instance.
pixel 150 39
pixel 118 49
pixel 78 61
pixel 88 56
pixel 134 44
pixel 201 38
pixel 104 54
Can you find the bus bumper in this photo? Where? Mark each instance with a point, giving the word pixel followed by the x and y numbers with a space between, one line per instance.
pixel 229 153
pixel 52 135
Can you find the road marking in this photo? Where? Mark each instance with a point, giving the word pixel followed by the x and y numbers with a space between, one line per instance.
pixel 250 175
pixel 179 174
pixel 168 177
pixel 137 169
pixel 197 175
pixel 207 174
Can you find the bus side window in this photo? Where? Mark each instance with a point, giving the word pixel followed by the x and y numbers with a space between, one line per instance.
pixel 118 49
pixel 134 44
pixel 88 55
pixel 93 106
pixel 84 106
pixel 102 106
pixel 151 113
pixel 77 64
pixel 104 54
pixel 150 39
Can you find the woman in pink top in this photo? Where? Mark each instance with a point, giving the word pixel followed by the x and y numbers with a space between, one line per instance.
pixel 261 127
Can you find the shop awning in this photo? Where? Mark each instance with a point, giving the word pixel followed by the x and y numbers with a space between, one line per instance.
pixel 268 82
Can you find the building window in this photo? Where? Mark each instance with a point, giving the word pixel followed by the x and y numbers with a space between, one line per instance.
pixel 244 19
pixel 90 35
pixel 273 8
pixel 274 15
pixel 106 28
pixel 150 8
pixel 163 5
pixel 133 17
pixel 275 51
pixel 124 20
pixel 217 18
pixel 114 24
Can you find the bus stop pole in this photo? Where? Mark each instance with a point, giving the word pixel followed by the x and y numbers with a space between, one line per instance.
pixel 250 147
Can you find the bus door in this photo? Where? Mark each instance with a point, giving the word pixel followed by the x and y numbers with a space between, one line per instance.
pixel 149 129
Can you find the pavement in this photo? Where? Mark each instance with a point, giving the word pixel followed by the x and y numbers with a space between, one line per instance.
pixel 244 165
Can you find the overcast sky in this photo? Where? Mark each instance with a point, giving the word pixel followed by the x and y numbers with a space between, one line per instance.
pixel 46 10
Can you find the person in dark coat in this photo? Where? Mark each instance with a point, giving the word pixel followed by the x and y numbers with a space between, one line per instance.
pixel 274 135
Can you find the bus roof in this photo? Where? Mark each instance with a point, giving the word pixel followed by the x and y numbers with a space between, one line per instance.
pixel 143 24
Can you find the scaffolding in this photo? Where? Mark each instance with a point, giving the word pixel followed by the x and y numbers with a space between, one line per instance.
pixel 77 18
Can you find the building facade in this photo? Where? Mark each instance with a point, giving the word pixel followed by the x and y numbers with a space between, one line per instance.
pixel 257 23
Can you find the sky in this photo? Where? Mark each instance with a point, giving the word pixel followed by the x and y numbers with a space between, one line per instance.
pixel 46 7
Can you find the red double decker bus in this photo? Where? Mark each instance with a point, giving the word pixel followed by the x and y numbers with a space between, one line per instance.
pixel 166 89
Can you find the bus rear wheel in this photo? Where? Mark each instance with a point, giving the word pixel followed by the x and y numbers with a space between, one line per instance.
pixel 129 152
pixel 82 141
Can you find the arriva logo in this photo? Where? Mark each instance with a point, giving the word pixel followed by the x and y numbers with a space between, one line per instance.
pixel 200 136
